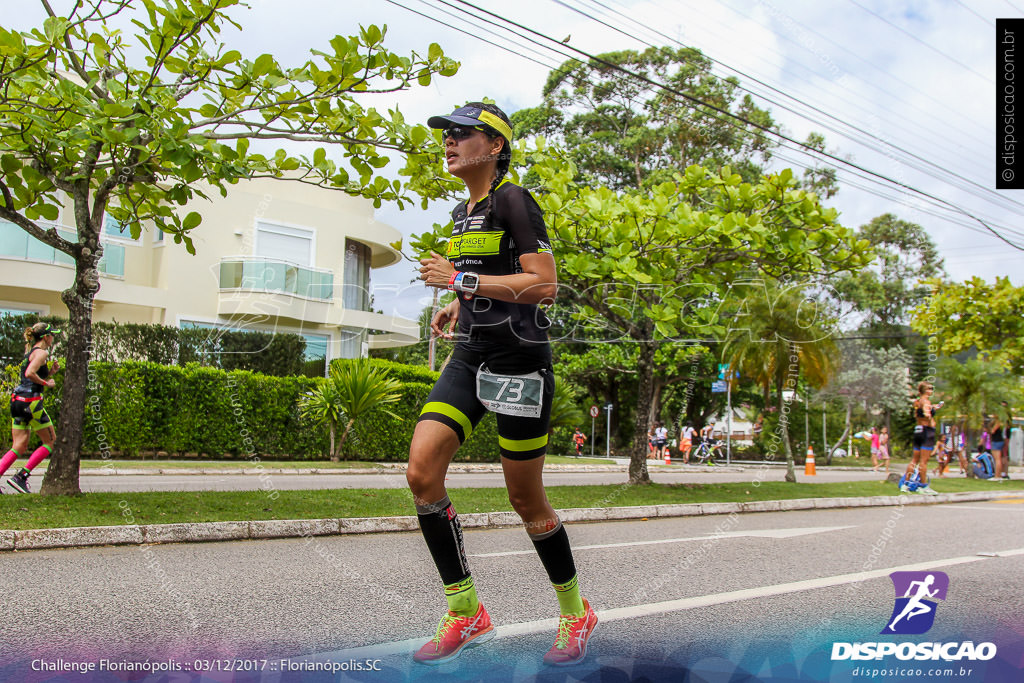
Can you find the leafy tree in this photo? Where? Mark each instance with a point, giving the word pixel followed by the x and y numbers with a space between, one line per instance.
pixel 779 332
pixel 975 314
pixel 652 267
pixel 139 125
pixel 624 132
pixel 886 293
pixel 351 392
pixel 870 378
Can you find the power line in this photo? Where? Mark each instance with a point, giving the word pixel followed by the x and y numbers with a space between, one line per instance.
pixel 868 134
pixel 969 9
pixel 730 116
pixel 927 45
pixel 854 103
pixel 885 72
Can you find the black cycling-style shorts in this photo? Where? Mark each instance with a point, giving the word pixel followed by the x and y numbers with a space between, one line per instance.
pixel 924 438
pixel 29 415
pixel 453 402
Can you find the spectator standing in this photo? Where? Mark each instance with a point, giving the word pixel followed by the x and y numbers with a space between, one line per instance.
pixel 942 455
pixel 997 436
pixel 956 446
pixel 578 438
pixel 660 440
pixel 883 448
pixel 924 440
pixel 874 449
pixel 686 442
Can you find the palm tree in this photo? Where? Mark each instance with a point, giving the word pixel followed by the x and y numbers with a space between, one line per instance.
pixel 780 335
pixel 972 390
pixel 352 391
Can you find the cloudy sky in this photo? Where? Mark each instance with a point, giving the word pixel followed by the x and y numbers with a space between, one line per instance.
pixel 916 78
pixel 903 88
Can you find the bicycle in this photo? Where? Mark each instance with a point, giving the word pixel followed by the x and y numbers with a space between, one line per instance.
pixel 706 453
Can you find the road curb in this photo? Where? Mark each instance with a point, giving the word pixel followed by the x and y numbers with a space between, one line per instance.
pixel 195 532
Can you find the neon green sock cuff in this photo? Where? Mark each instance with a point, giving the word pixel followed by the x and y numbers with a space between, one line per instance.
pixel 570 603
pixel 462 597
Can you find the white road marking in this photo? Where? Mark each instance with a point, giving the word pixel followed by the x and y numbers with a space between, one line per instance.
pixel 756 533
pixel 652 609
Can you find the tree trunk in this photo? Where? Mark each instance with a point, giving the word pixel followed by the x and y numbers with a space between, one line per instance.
pixel 659 385
pixel 839 442
pixel 645 394
pixel 784 416
pixel 784 426
pixel 344 435
pixel 62 473
pixel 333 452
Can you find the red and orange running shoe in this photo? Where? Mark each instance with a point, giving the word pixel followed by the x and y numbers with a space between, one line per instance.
pixel 571 642
pixel 455 633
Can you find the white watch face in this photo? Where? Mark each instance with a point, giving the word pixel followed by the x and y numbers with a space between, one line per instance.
pixel 470 282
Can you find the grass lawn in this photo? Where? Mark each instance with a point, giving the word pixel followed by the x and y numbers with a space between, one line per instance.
pixel 285 464
pixel 161 507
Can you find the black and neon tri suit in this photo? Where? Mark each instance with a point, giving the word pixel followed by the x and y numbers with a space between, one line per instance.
pixel 508 338
pixel 493 247
pixel 924 435
pixel 27 410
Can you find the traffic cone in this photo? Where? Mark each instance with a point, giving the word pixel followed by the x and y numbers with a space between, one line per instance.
pixel 809 463
pixel 668 457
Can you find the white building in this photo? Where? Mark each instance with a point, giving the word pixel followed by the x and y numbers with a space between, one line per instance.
pixel 271 256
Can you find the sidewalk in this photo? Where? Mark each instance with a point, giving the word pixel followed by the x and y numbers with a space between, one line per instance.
pixel 141 535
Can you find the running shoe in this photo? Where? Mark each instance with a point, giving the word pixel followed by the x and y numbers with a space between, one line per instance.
pixel 571 642
pixel 927 490
pixel 904 488
pixel 19 482
pixel 453 634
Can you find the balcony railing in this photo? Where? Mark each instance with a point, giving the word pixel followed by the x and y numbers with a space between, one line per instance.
pixel 255 273
pixel 16 243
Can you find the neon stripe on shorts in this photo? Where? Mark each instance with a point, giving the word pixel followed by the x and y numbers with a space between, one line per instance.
pixel 452 412
pixel 519 445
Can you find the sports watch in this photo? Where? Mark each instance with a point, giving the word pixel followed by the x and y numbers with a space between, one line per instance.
pixel 466 283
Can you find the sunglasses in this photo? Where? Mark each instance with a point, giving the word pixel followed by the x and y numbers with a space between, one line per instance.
pixel 459 133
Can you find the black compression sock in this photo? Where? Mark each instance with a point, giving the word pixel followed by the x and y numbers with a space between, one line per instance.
pixel 443 534
pixel 555 554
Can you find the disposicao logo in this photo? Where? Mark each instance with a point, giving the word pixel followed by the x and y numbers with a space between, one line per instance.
pixel 914 613
pixel 916 592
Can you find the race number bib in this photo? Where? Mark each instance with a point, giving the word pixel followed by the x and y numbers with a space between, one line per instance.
pixel 520 395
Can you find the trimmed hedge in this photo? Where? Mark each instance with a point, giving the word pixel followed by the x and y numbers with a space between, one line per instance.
pixel 400 371
pixel 278 354
pixel 140 407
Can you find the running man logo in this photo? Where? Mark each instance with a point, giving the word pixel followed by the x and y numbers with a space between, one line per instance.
pixel 914 611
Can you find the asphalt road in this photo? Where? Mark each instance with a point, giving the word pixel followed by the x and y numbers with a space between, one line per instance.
pixel 765 593
pixel 245 482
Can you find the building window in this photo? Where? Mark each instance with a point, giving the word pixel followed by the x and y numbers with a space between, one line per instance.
pixel 352 343
pixel 284 243
pixel 356 286
pixel 114 228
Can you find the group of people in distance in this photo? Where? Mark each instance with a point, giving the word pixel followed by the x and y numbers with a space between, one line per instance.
pixel 990 462
pixel 689 438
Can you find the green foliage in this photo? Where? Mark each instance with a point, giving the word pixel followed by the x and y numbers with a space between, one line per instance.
pixel 887 292
pixel 400 371
pixel 135 408
pixel 627 133
pixel 279 354
pixel 975 314
pixel 170 103
pixel 12 334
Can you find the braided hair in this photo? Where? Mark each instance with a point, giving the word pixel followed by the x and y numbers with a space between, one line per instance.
pixel 504 156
